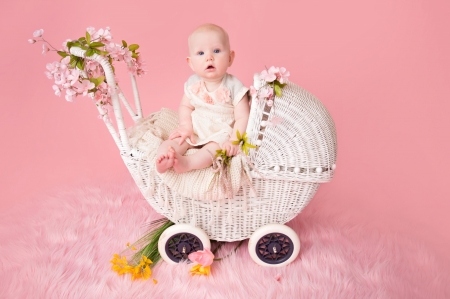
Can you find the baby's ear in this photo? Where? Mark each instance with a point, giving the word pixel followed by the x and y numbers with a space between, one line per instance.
pixel 232 54
pixel 189 62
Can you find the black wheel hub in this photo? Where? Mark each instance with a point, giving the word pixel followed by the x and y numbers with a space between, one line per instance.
pixel 274 248
pixel 179 246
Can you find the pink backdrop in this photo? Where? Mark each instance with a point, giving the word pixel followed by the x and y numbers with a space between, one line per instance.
pixel 381 67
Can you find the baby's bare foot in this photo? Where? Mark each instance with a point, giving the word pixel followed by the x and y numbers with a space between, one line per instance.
pixel 165 161
pixel 180 163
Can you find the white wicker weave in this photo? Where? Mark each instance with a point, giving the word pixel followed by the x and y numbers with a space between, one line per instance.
pixel 294 157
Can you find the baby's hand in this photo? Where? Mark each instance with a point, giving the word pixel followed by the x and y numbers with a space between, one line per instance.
pixel 183 133
pixel 232 149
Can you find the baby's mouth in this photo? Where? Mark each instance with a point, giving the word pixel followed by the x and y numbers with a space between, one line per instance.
pixel 210 67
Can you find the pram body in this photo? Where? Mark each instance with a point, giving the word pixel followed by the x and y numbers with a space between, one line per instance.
pixel 292 158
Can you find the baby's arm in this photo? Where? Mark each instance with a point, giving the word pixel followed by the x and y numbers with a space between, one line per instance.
pixel 184 129
pixel 241 114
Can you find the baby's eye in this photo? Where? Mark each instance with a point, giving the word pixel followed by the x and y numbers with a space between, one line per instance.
pixel 216 51
pixel 200 53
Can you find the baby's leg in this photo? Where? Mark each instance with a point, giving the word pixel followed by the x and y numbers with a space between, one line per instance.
pixel 201 159
pixel 166 153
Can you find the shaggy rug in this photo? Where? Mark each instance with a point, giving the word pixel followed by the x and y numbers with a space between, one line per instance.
pixel 60 247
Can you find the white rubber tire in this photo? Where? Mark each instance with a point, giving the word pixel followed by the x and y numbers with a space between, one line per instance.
pixel 178 229
pixel 269 229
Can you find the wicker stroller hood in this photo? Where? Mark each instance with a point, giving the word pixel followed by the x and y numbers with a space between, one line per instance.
pixel 301 146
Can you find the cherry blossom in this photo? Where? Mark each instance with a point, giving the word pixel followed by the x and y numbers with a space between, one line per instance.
pixel 265 93
pixel 267 76
pixel 45 49
pixel 70 95
pixel 74 81
pixel 38 33
pixel 57 90
pixel 74 76
pixel 84 87
pixel 100 35
pixel 282 75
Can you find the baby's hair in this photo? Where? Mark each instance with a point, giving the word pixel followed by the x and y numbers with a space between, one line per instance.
pixel 211 27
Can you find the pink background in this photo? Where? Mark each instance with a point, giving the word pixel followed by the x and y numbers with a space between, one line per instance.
pixel 381 67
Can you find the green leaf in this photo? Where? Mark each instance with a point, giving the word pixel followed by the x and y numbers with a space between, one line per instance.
pixel 83 47
pixel 133 47
pixel 73 61
pixel 69 45
pixel 80 64
pixel 62 54
pixel 89 52
pixel 82 39
pixel 96 44
pixel 88 37
pixel 134 55
pixel 97 81
pixel 124 43
pixel 277 90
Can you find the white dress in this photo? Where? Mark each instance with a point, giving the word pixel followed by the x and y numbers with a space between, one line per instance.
pixel 213 116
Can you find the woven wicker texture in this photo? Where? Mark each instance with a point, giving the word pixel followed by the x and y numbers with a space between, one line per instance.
pixel 303 146
pixel 224 220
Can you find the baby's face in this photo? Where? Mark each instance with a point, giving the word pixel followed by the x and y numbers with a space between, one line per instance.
pixel 210 54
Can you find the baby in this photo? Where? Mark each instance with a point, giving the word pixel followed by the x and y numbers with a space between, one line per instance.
pixel 214 105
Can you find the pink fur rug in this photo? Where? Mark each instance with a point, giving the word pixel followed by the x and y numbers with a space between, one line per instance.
pixel 60 247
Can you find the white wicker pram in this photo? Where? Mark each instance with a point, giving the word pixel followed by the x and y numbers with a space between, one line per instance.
pixel 291 160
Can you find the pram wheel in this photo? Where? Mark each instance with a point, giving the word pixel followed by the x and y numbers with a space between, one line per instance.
pixel 178 241
pixel 274 245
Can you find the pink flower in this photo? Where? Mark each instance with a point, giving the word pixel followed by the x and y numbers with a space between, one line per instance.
pixel 223 94
pixel 45 49
pixel 253 91
pixel 70 95
pixel 57 90
pixel 206 98
pixel 74 76
pixel 282 75
pixel 84 87
pixel 196 87
pixel 268 76
pixel 101 35
pixel 31 41
pixel 90 65
pixel 38 33
pixel 265 93
pixel 202 257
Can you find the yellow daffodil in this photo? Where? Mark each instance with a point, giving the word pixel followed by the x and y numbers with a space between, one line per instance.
pixel 200 270
pixel 141 270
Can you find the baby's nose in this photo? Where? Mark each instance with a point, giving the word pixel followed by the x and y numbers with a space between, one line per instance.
pixel 209 57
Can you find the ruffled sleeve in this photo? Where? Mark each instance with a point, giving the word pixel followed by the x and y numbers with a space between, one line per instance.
pixel 237 89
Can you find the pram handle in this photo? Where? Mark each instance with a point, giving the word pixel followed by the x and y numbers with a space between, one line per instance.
pixel 120 135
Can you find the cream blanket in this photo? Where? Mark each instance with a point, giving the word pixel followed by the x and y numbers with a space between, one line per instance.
pixel 204 184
